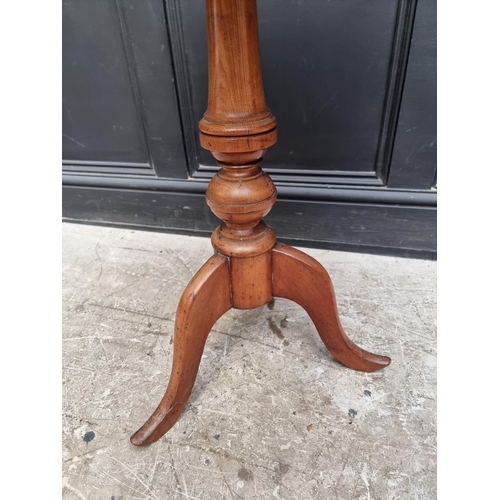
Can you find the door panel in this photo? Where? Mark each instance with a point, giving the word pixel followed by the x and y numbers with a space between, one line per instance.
pixel 345 78
pixel 328 69
pixel 106 126
pixel 414 157
pixel 117 75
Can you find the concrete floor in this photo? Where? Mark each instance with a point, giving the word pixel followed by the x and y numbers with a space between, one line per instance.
pixel 272 414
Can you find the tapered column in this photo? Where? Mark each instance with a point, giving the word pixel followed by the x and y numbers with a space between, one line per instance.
pixel 236 103
pixel 238 128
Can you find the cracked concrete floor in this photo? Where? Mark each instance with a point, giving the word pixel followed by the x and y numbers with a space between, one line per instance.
pixel 272 414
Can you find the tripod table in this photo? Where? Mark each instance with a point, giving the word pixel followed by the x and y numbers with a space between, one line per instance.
pixel 248 267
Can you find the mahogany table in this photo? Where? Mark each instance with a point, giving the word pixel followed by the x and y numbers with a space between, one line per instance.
pixel 248 267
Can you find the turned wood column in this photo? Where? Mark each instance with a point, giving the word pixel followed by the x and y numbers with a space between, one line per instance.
pixel 249 268
pixel 238 128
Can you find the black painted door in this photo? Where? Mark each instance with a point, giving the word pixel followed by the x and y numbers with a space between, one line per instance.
pixel 352 83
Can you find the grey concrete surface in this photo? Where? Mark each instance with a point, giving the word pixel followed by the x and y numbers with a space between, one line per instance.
pixel 272 414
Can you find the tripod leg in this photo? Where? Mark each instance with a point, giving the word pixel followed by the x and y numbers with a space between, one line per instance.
pixel 204 301
pixel 299 277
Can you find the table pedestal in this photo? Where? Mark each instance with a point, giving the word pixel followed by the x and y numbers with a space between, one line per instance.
pixel 249 267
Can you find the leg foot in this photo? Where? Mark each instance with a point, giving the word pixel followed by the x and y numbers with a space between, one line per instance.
pixel 205 300
pixel 299 277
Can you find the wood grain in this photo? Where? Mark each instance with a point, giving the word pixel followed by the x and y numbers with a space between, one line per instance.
pixel 249 268
pixel 238 128
pixel 204 301
pixel 236 102
pixel 299 277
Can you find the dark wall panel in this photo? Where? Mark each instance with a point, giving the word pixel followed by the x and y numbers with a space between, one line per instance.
pixel 325 66
pixel 119 102
pixel 383 229
pixel 101 119
pixel 414 156
pixel 350 82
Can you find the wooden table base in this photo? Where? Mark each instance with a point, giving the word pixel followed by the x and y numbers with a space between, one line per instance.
pixel 249 267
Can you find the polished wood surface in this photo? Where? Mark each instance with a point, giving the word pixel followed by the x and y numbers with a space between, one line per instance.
pixel 238 128
pixel 236 102
pixel 248 267
pixel 299 277
pixel 204 301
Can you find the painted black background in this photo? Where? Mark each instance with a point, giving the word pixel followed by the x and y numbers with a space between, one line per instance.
pixel 352 83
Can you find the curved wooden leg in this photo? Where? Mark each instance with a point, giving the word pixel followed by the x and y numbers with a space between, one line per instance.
pixel 204 301
pixel 299 277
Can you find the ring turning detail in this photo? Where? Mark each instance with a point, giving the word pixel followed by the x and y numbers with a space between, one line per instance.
pixel 249 268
